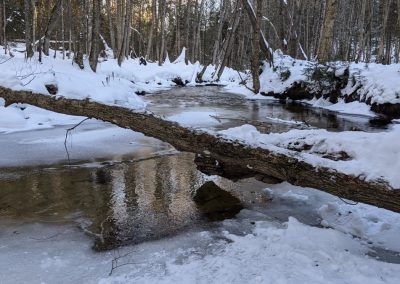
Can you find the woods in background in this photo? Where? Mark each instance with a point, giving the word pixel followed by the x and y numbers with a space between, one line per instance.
pixel 235 33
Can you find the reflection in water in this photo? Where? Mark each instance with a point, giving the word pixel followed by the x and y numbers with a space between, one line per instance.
pixel 123 203
pixel 232 107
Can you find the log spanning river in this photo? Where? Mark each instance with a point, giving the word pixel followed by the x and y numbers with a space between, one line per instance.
pixel 121 188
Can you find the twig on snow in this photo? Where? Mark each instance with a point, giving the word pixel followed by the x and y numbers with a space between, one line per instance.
pixel 244 82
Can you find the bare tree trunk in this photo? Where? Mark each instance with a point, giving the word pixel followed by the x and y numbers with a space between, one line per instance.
pixel 126 31
pixel 397 49
pixel 361 36
pixel 95 45
pixel 152 28
pixel 3 22
pixel 380 57
pixel 265 48
pixel 28 27
pixel 255 63
pixel 218 38
pixel 89 25
pixel 69 29
pixel 163 10
pixel 119 26
pixel 111 26
pixel 229 41
pixel 326 40
pixel 197 42
pixel 178 28
pixel 368 49
pixel 34 24
pixel 79 40
pixel 129 30
pixel 187 28
pixel 4 27
pixel 51 25
pixel 62 29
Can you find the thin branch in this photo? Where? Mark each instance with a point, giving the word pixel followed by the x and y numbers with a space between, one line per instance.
pixel 66 137
pixel 114 262
pixel 26 84
pixel 348 203
pixel 244 83
pixel 2 62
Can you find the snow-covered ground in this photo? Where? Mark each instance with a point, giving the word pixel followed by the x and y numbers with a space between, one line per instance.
pixel 255 247
pixel 110 84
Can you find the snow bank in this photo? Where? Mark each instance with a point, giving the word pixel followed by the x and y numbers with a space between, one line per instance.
pixel 17 73
pixel 355 108
pixel 269 253
pixel 376 82
pixel 376 227
pixel 373 156
pixel 23 117
pixel 296 253
pixel 286 72
pixel 111 84
pixel 363 221
pixel 372 83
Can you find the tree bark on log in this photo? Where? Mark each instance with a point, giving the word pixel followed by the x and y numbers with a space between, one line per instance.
pixel 229 153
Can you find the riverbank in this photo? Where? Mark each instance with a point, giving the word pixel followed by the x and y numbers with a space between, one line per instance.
pixel 348 87
pixel 351 88
pixel 258 246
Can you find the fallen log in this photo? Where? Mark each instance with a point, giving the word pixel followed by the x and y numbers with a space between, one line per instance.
pixel 230 154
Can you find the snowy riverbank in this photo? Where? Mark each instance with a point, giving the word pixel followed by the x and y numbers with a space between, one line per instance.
pixel 361 85
pixel 267 252
pixel 339 86
pixel 112 85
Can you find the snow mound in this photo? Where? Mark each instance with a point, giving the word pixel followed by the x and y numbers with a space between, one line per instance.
pixel 372 156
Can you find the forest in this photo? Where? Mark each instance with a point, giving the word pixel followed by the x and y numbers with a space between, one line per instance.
pixel 213 32
pixel 199 141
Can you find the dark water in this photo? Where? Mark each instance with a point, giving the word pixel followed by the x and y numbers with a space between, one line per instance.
pixel 117 204
pixel 234 110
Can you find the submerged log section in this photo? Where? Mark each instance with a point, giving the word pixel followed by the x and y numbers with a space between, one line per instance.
pixel 230 154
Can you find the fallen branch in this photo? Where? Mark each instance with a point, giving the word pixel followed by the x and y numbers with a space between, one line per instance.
pixel 230 154
pixel 245 83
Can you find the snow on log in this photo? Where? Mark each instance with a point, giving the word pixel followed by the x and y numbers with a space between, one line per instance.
pixel 229 154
